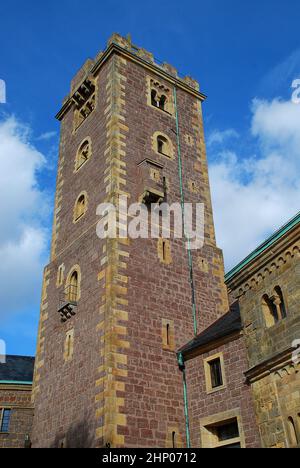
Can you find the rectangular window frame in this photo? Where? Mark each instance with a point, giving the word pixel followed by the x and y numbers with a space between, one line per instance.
pixel 2 412
pixel 209 436
pixel 208 379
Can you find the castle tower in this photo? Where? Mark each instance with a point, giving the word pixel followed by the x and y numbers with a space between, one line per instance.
pixel 115 311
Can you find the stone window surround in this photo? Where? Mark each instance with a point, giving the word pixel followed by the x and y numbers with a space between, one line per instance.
pixel 2 409
pixel 69 276
pixel 271 292
pixel 78 166
pixel 170 154
pixel 77 218
pixel 208 439
pixel 60 275
pixel 168 339
pixel 207 371
pixel 153 83
pixel 69 346
pixel 164 251
pixel 90 101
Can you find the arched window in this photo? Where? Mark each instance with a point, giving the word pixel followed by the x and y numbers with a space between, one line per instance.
pixel 163 145
pixel 83 153
pixel 80 207
pixel 163 102
pixel 269 311
pixel 160 95
pixel 292 432
pixel 279 303
pixel 73 286
pixel 154 98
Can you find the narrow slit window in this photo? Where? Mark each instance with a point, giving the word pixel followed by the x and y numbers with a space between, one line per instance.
pixel 69 340
pixel 174 439
pixel 168 334
pixel 60 275
pixel 69 346
pixel 164 250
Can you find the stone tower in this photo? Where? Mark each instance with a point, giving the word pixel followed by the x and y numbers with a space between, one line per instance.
pixel 114 311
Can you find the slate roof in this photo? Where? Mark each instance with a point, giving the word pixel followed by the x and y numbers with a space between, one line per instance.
pixel 225 326
pixel 17 369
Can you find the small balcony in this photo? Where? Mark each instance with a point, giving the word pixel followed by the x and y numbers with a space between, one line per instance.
pixel 68 303
pixel 151 186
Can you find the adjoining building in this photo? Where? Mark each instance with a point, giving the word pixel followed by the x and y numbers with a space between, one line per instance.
pixel 243 372
pixel 16 409
pixel 221 408
pixel 267 286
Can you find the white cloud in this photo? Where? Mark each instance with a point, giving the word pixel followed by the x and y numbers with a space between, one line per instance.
pixel 217 136
pixel 46 136
pixel 284 72
pixel 255 195
pixel 23 240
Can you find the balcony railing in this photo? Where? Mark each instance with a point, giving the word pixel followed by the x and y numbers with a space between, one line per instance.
pixel 68 303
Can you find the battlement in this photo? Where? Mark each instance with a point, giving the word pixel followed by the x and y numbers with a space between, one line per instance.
pixel 125 44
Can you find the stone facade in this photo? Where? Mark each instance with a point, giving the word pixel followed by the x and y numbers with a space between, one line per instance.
pixel 234 400
pixel 16 398
pixel 117 383
pixel 273 367
pixel 106 371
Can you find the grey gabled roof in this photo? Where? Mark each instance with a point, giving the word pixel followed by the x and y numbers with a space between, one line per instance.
pixel 17 369
pixel 225 326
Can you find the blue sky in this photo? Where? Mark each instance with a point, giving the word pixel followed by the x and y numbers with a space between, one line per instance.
pixel 245 55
